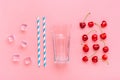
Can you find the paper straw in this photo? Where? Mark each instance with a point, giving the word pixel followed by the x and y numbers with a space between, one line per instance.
pixel 44 40
pixel 38 39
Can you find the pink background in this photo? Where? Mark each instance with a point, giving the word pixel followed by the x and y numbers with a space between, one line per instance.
pixel 13 13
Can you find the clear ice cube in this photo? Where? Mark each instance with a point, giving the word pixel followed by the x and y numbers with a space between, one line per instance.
pixel 27 61
pixel 24 27
pixel 23 44
pixel 16 58
pixel 11 38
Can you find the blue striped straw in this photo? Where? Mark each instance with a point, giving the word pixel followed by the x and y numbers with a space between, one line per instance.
pixel 44 40
pixel 38 39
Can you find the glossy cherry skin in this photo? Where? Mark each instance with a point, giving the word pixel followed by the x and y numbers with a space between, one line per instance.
pixel 82 25
pixel 103 36
pixel 104 57
pixel 85 58
pixel 103 24
pixel 94 59
pixel 85 48
pixel 84 37
pixel 94 37
pixel 96 46
pixel 91 24
pixel 105 49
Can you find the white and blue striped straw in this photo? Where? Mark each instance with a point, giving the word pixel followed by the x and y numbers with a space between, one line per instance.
pixel 38 39
pixel 44 40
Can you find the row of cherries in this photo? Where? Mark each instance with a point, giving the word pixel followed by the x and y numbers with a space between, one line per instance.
pixel 91 24
pixel 94 38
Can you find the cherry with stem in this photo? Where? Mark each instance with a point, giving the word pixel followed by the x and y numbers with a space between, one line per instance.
pixel 85 36
pixel 83 24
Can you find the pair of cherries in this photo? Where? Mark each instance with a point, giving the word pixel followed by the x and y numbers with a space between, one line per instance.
pixel 95 47
pixel 94 38
pixel 95 58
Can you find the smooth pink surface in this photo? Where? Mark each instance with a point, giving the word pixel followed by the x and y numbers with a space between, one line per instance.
pixel 13 13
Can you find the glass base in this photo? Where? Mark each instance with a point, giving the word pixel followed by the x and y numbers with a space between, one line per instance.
pixel 61 60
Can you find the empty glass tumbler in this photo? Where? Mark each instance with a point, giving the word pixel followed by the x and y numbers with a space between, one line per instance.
pixel 61 43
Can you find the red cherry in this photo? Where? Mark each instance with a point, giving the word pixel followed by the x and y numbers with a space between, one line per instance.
pixel 85 58
pixel 96 46
pixel 82 24
pixel 103 36
pixel 94 59
pixel 85 48
pixel 90 24
pixel 103 24
pixel 105 49
pixel 94 37
pixel 84 37
pixel 104 57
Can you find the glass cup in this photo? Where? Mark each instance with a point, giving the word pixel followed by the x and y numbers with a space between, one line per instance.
pixel 61 43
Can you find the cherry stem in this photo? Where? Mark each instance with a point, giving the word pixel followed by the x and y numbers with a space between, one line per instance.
pixel 86 17
pixel 81 43
pixel 88 34
pixel 99 27
pixel 106 61
pixel 104 42
pixel 93 54
pixel 91 31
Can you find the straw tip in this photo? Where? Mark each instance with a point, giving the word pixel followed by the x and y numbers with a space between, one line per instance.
pixel 38 17
pixel 44 17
